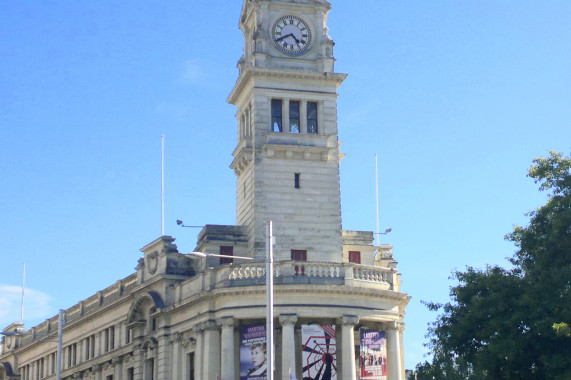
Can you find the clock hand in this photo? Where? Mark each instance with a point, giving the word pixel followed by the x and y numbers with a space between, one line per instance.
pixel 289 35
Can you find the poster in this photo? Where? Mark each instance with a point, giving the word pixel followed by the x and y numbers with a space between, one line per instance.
pixel 253 354
pixel 319 352
pixel 373 356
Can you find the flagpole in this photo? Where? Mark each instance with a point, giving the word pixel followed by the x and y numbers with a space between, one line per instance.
pixel 377 194
pixel 162 185
pixel 23 287
pixel 270 300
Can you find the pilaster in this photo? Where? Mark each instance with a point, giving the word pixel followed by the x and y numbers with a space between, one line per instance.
pixel 227 349
pixel 211 349
pixel 198 330
pixel 176 353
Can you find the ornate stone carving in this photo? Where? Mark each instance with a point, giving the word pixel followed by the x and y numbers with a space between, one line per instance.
pixel 210 325
pixel 152 261
pixel 350 320
pixel 288 319
pixel 175 338
pixel 226 322
pixel 398 326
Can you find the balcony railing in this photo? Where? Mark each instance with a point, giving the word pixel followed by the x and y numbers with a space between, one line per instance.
pixel 308 272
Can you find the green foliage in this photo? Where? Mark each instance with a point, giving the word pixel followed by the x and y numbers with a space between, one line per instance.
pixel 514 324
pixel 562 329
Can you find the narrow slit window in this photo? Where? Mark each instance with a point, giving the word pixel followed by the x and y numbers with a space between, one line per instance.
pixel 312 118
pixel 276 115
pixel 294 116
pixel 297 180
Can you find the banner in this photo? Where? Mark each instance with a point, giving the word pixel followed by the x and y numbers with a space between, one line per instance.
pixel 253 354
pixel 373 358
pixel 319 352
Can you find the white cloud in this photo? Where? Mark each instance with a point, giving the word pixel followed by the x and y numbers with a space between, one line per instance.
pixel 192 72
pixel 36 305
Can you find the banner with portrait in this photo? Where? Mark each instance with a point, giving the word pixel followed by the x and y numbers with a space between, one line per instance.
pixel 373 355
pixel 319 352
pixel 253 353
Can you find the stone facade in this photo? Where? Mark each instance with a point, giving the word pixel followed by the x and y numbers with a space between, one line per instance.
pixel 180 316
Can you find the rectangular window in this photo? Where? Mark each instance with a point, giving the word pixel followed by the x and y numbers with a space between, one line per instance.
pixel 131 373
pixel 276 115
pixel 312 118
pixel 227 251
pixel 299 255
pixel 294 116
pixel 297 180
pixel 154 323
pixel 109 337
pixel 355 257
pixel 71 355
pixel 53 363
pixel 128 336
pixel 92 346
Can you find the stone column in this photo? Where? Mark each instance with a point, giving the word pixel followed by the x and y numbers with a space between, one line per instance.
pixel 348 352
pixel 394 351
pixel 288 344
pixel 117 362
pixel 211 351
pixel 227 354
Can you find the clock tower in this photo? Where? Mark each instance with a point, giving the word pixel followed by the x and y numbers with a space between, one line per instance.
pixel 287 157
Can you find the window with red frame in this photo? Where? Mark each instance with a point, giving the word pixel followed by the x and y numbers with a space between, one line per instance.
pixel 355 257
pixel 299 255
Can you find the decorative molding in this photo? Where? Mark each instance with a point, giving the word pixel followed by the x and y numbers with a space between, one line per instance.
pixel 282 74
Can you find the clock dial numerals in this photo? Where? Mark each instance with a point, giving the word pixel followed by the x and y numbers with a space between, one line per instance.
pixel 291 35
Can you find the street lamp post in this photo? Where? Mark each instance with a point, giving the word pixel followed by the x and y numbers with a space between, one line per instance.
pixel 270 300
pixel 46 338
pixel 270 350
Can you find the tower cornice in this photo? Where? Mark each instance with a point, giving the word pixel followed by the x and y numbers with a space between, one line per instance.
pixel 253 72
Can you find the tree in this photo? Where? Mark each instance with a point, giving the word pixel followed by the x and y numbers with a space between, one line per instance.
pixel 514 323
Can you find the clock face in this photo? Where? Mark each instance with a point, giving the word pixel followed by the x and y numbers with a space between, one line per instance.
pixel 291 35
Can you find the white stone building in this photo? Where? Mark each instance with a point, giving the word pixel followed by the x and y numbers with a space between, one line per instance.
pixel 183 317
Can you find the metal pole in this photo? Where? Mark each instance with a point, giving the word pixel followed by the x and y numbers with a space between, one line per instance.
pixel 377 195
pixel 59 343
pixel 270 300
pixel 23 287
pixel 162 185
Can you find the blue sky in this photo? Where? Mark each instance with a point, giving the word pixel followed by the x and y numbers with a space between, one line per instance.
pixel 456 97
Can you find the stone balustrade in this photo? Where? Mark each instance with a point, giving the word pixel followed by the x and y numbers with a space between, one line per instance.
pixel 250 274
pixel 354 275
